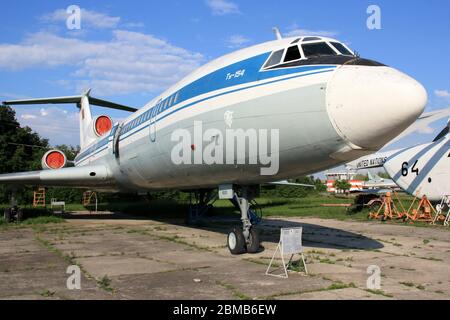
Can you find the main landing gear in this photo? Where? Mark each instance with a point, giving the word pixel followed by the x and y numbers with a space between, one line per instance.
pixel 240 239
pixel 246 238
pixel 200 204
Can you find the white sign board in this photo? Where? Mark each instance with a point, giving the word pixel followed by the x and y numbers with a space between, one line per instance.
pixel 291 244
pixel 291 240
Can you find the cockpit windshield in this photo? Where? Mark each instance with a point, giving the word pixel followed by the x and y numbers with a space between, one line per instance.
pixel 317 49
pixel 340 47
pixel 301 50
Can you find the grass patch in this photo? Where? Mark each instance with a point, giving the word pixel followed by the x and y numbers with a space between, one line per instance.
pixel 233 290
pixel 380 293
pixel 340 285
pixel 431 258
pixel 105 284
pixel 413 285
pixel 47 293
pixel 43 220
pixel 408 284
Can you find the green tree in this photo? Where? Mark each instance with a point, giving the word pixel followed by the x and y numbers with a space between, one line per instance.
pixel 383 174
pixel 21 149
pixel 343 185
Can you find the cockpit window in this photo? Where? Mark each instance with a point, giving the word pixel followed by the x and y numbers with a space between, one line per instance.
pixel 317 49
pixel 293 53
pixel 275 58
pixel 341 49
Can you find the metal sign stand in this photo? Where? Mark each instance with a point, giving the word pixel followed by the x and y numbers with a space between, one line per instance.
pixel 290 243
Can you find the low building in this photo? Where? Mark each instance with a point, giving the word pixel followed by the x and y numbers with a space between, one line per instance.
pixel 356 185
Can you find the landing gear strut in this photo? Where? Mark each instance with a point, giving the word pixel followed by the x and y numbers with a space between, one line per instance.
pixel 199 205
pixel 246 238
pixel 13 213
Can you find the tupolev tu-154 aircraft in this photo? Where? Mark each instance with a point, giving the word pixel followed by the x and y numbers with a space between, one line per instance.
pixel 310 102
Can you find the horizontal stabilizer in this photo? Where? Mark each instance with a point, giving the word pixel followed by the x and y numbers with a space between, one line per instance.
pixel 71 99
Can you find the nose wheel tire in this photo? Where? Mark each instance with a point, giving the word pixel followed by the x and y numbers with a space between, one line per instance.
pixel 253 241
pixel 236 241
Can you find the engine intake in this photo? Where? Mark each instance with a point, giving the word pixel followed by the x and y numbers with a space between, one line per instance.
pixel 53 159
pixel 102 125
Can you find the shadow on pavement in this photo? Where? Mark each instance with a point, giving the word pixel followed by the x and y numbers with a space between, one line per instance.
pixel 314 235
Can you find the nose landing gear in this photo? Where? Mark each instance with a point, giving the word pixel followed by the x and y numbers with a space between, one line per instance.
pixel 245 239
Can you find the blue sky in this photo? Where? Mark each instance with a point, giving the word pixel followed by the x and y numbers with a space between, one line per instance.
pixel 129 51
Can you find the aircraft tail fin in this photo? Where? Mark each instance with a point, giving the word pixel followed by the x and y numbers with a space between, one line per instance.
pixel 83 102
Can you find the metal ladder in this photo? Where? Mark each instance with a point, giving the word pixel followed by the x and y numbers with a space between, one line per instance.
pixel 39 198
pixel 87 199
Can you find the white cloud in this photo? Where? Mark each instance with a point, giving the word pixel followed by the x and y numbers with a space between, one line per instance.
pixel 130 62
pixel 60 126
pixel 12 96
pixel 222 7
pixel 28 116
pixel 442 94
pixel 88 18
pixel 295 31
pixel 237 41
pixel 425 130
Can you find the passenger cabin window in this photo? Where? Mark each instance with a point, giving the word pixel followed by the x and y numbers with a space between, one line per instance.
pixel 293 53
pixel 275 58
pixel 317 49
pixel 175 100
pixel 340 47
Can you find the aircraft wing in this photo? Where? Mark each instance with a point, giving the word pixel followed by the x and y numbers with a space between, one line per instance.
pixel 292 184
pixel 422 123
pixel 375 160
pixel 77 177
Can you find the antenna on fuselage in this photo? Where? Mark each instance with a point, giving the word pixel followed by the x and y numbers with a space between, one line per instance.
pixel 277 33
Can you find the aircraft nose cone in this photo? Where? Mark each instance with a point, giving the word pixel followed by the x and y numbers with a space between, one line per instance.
pixel 369 106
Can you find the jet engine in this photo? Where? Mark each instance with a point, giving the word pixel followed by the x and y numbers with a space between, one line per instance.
pixel 102 125
pixel 54 159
